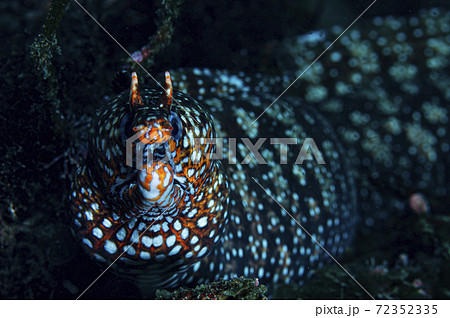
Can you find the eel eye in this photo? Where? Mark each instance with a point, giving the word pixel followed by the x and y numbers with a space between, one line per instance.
pixel 125 127
pixel 177 126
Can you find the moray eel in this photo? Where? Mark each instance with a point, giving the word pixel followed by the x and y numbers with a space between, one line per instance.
pixel 168 213
pixel 152 196
pixel 149 193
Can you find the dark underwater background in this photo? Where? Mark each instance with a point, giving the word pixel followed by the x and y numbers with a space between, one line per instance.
pixel 49 93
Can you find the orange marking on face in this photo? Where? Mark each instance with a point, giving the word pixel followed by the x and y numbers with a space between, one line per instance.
pixel 161 174
pixel 153 136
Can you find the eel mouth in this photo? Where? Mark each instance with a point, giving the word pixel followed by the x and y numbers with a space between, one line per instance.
pixel 156 177
pixel 154 143
pixel 157 152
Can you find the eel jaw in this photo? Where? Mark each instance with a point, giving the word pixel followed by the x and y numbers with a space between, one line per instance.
pixel 156 182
